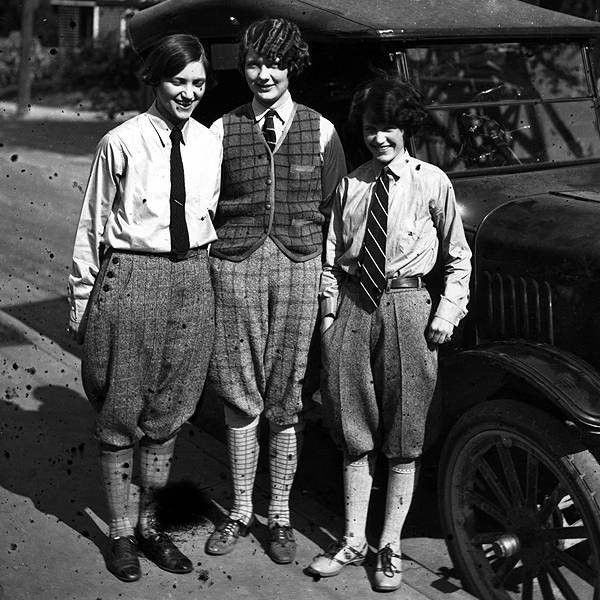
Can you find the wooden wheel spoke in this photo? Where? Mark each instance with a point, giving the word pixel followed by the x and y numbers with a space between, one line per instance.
pixel 563 585
pixel 527 590
pixel 564 533
pixel 510 474
pixel 488 507
pixel 505 568
pixel 486 538
pixel 545 587
pixel 551 502
pixel 494 483
pixel 531 481
pixel 580 569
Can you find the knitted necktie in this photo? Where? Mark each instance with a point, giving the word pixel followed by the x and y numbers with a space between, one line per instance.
pixel 372 261
pixel 268 129
pixel 180 241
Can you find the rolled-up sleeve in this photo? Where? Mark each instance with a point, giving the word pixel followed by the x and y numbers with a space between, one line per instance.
pixel 100 195
pixel 456 254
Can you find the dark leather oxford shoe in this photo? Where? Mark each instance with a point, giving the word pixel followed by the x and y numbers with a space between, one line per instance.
pixel 160 549
pixel 122 559
pixel 224 538
pixel 282 547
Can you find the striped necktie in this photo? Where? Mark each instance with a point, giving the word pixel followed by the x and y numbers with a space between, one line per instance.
pixel 268 129
pixel 372 261
pixel 180 241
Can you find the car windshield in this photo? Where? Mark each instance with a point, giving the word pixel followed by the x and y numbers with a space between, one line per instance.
pixel 495 105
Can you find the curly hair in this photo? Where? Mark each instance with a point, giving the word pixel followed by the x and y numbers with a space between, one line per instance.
pixel 392 101
pixel 277 40
pixel 170 56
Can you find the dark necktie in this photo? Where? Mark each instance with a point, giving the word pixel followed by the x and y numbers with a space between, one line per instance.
pixel 372 262
pixel 180 241
pixel 268 129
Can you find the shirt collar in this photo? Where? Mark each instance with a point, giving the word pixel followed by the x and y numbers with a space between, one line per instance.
pixel 163 127
pixel 399 164
pixel 284 107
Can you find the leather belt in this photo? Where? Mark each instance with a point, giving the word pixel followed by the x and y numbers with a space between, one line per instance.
pixel 405 282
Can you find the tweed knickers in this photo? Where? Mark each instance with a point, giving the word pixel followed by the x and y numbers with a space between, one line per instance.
pixel 379 375
pixel 147 344
pixel 266 312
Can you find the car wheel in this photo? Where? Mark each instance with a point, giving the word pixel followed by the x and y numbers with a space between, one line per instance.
pixel 519 503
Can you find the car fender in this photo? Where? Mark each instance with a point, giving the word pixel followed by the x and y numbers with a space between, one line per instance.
pixel 534 369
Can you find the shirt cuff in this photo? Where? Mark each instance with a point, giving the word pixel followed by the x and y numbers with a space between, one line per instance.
pixel 448 311
pixel 328 306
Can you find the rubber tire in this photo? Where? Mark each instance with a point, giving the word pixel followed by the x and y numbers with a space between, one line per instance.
pixel 557 441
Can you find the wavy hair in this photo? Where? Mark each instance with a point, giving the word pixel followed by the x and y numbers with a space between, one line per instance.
pixel 392 101
pixel 277 40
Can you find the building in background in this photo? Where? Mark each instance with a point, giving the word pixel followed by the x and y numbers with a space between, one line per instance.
pixel 82 22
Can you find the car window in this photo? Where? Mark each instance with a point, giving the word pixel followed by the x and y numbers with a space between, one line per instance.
pixel 510 104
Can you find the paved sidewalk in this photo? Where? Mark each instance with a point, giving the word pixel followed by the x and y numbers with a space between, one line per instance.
pixel 52 513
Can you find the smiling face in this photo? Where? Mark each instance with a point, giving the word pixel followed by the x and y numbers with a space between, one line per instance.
pixel 266 80
pixel 384 140
pixel 178 96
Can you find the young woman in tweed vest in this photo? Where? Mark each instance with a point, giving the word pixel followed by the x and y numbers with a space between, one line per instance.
pixel 281 164
pixel 141 293
pixel 380 330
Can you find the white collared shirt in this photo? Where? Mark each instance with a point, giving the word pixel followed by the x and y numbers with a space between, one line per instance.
pixel 126 203
pixel 422 216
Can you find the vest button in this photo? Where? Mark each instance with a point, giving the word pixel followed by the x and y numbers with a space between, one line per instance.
pixel 110 274
pixel 106 287
pixel 115 260
pixel 268 206
pixel 269 181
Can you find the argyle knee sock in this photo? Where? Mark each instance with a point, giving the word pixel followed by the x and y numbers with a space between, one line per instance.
pixel 358 481
pixel 116 466
pixel 242 443
pixel 284 449
pixel 402 478
pixel 155 466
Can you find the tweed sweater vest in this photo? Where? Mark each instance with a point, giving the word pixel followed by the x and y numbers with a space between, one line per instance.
pixel 270 194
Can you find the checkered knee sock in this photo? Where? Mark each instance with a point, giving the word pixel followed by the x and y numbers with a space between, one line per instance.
pixel 116 468
pixel 358 481
pixel 243 457
pixel 284 448
pixel 402 479
pixel 155 465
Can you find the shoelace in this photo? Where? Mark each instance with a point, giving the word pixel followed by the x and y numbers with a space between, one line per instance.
pixel 127 546
pixel 282 535
pixel 386 555
pixel 339 546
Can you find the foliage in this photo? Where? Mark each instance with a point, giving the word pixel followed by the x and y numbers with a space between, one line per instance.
pixel 107 77
pixel 44 63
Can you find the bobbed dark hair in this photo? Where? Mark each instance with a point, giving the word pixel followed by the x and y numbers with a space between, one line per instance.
pixel 277 40
pixel 392 101
pixel 170 56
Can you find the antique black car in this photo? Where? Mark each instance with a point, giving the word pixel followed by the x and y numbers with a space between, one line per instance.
pixel 513 99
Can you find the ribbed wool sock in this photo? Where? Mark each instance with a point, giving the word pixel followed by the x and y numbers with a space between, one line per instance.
pixel 283 462
pixel 155 465
pixel 358 481
pixel 116 466
pixel 402 479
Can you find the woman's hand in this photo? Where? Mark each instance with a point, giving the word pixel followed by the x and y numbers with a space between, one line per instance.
pixel 439 331
pixel 75 331
pixel 326 323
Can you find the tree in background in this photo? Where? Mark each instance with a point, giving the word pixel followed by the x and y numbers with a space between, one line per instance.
pixel 25 63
